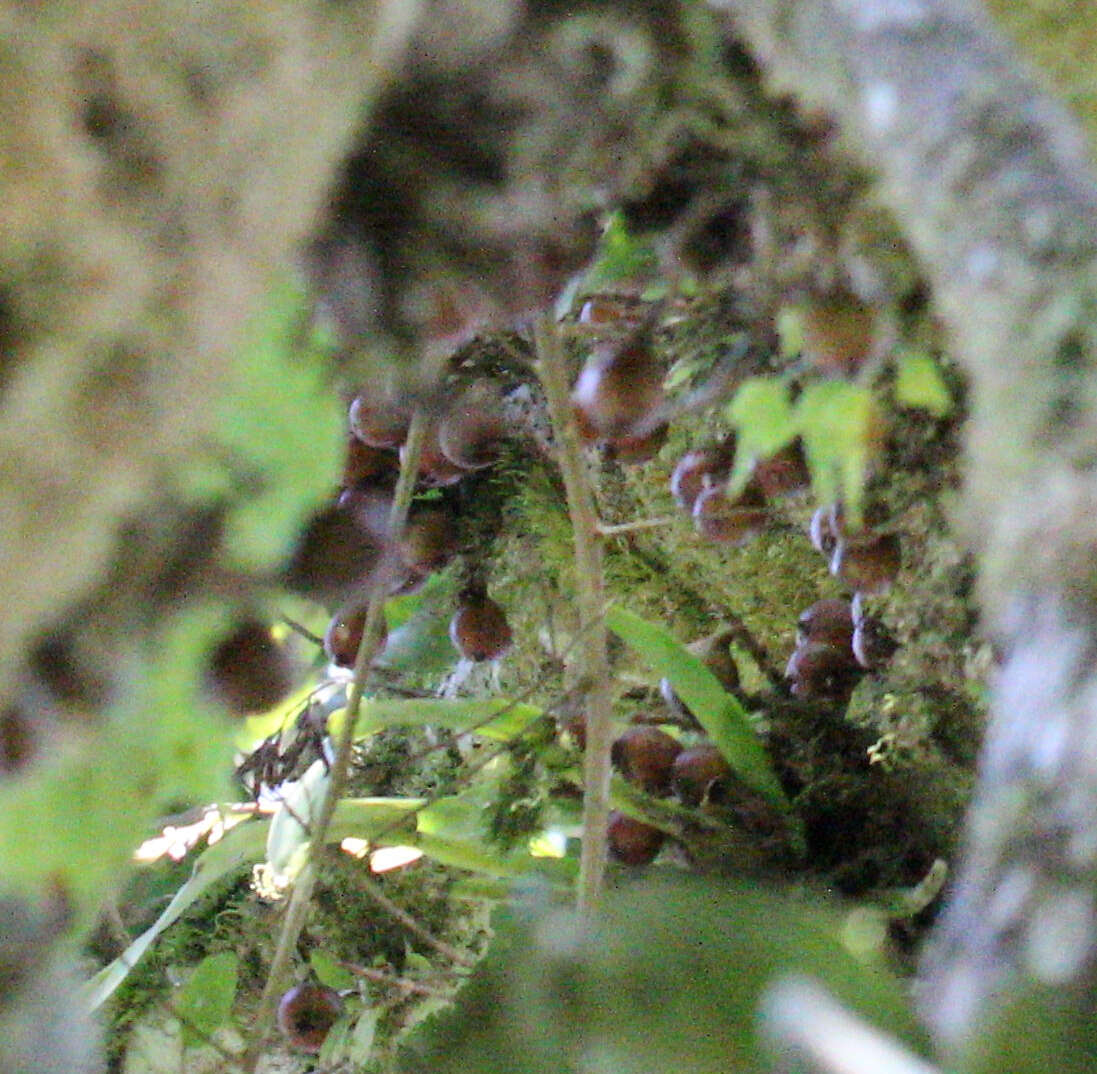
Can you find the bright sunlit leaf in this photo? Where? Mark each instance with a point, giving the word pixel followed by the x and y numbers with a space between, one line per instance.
pixel 919 383
pixel 841 430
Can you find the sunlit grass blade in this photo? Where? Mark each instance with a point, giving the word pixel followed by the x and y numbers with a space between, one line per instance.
pixel 497 719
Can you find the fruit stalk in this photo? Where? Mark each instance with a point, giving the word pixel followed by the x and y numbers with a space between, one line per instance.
pixel 590 592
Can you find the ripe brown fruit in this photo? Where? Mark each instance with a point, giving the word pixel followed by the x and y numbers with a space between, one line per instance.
pixel 248 671
pixel 19 738
pixel 620 389
pixel 783 473
pixel 872 645
pixel 429 540
pixel 699 469
pixel 435 470
pixel 344 636
pixel 725 520
pixel 637 449
pixel 379 422
pixel 471 433
pixel 367 466
pixel 826 622
pixel 644 756
pixel 821 673
pixel 333 556
pixel 479 629
pixel 839 333
pixel 695 771
pixel 868 565
pixel 306 1014
pixel 631 841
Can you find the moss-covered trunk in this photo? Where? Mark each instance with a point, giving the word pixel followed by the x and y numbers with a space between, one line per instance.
pixel 991 183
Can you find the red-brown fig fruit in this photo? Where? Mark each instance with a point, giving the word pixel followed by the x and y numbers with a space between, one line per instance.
pixel 344 636
pixel 631 450
pixel 631 841
pixel 826 622
pixel 479 629
pixel 699 469
pixel 378 421
pixel 471 433
pixel 365 466
pixel 839 333
pixel 821 673
pixel 644 756
pixel 429 540
pixel 306 1014
pixel 695 771
pixel 435 470
pixel 872 645
pixel 724 520
pixel 868 565
pixel 334 555
pixel 248 671
pixel 783 473
pixel 620 389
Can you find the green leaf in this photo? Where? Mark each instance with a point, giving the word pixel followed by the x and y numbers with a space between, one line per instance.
pixel 622 257
pixel 919 383
pixel 204 1003
pixel 840 429
pixel 765 422
pixel 328 971
pixel 716 710
pixel 418 639
pixel 790 332
pixel 360 1045
pixel 632 985
pixel 239 847
pixel 497 718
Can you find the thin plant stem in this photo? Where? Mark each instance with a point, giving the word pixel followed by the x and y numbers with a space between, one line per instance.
pixel 590 591
pixel 605 529
pixel 373 890
pixel 300 901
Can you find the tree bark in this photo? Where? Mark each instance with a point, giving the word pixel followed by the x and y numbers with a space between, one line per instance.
pixel 991 184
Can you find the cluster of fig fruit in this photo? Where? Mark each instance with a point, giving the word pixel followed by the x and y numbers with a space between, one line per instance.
pixel 349 542
pixel 699 485
pixel 660 765
pixel 836 642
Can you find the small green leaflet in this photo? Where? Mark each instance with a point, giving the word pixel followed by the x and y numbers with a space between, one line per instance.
pixel 328 971
pixel 241 846
pixel 918 383
pixel 764 420
pixel 204 1003
pixel 839 424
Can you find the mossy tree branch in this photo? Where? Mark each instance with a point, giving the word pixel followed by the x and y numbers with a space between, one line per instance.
pixel 992 186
